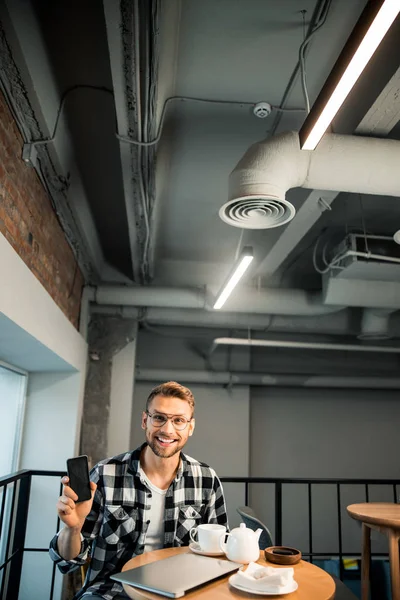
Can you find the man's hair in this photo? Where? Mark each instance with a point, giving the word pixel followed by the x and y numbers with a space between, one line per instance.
pixel 171 389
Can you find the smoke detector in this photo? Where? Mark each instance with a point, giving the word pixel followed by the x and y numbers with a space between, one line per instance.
pixel 262 110
pixel 257 212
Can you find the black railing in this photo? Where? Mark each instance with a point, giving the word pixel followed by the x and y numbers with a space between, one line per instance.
pixel 15 492
pixel 278 483
pixel 15 496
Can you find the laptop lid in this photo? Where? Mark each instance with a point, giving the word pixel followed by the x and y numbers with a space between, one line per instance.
pixel 175 575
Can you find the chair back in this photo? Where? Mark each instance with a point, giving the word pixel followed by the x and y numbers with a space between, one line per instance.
pixel 248 517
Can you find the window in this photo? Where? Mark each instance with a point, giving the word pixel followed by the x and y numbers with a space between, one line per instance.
pixel 12 403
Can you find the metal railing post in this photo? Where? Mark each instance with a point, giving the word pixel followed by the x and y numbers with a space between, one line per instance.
pixel 18 539
pixel 8 555
pixel 278 513
pixel 339 507
pixel 310 534
pixel 3 508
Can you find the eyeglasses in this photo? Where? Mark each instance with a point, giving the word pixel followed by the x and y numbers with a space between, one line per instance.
pixel 179 421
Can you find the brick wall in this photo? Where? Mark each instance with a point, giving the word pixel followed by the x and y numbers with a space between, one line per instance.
pixel 29 223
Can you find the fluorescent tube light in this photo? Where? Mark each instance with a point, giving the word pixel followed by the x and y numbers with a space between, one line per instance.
pixel 370 41
pixel 234 277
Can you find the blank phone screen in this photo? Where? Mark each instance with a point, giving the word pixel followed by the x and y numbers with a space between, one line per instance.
pixel 78 473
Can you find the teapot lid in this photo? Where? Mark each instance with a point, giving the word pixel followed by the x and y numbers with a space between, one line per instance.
pixel 245 532
pixel 242 529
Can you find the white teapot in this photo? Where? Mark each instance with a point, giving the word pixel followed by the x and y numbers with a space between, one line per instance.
pixel 242 544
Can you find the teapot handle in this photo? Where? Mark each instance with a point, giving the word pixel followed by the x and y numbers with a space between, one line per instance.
pixel 222 544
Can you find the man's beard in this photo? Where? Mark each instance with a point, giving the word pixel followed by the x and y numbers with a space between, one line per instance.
pixel 163 452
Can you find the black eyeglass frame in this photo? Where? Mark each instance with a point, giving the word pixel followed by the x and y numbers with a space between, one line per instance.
pixel 169 418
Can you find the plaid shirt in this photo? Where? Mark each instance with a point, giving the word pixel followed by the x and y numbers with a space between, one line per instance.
pixel 115 530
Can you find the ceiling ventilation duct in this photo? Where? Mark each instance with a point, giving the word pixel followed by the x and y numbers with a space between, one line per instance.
pixel 344 163
pixel 375 325
pixel 266 301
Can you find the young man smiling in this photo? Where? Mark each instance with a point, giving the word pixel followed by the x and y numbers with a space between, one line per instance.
pixel 142 500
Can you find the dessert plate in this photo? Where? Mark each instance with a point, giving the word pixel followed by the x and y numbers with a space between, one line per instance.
pixel 287 589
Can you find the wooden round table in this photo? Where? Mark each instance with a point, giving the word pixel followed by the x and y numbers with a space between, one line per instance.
pixel 314 583
pixel 383 517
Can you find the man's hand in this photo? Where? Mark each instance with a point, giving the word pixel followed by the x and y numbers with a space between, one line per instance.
pixel 72 513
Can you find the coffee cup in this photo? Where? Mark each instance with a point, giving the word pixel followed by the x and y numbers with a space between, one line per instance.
pixel 208 536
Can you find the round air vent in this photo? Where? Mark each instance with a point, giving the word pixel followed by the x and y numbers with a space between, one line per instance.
pixel 255 212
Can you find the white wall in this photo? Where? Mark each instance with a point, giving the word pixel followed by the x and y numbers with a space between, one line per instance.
pixel 121 397
pixel 53 408
pixel 320 434
pixel 50 432
pixel 324 433
pixel 50 437
pixel 25 301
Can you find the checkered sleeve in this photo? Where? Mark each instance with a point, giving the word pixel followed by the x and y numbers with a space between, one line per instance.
pixel 67 566
pixel 89 532
pixel 216 508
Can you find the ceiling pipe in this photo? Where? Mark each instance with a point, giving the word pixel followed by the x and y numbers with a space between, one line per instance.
pixel 343 163
pixel 268 380
pixel 246 300
pixel 175 317
pixel 334 324
pixel 374 322
pixel 150 296
pixel 338 322
pixel 231 341
pixel 125 312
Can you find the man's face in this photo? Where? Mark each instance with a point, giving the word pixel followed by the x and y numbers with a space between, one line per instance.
pixel 165 441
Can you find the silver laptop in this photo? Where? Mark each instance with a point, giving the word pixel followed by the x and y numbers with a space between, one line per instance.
pixel 175 575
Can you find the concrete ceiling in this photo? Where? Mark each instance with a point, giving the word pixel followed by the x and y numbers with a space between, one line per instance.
pixel 233 50
pixel 242 51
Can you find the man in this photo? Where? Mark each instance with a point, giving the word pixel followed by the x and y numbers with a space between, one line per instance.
pixel 142 500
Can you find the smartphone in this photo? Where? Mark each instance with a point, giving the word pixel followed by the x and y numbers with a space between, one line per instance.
pixel 78 473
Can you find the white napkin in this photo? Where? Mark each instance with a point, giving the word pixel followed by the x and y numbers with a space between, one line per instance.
pixel 265 579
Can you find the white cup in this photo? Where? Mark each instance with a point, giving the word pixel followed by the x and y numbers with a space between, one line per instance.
pixel 208 536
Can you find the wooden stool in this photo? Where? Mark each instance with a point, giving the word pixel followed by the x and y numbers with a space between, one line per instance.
pixel 385 518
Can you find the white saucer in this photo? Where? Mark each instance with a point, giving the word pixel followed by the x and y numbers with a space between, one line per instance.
pixel 288 589
pixel 197 550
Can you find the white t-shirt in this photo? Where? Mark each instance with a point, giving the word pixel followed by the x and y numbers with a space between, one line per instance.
pixel 155 531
